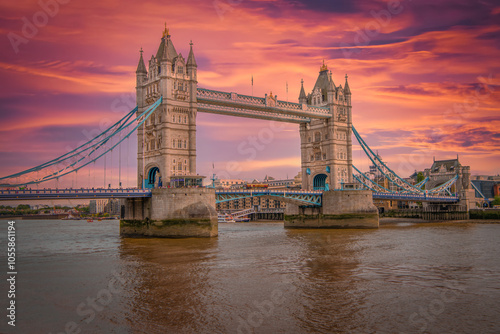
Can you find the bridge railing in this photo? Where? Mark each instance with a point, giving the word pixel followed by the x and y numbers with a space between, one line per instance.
pixel 415 197
pixel 72 191
pixel 266 191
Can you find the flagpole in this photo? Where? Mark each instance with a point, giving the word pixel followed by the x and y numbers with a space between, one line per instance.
pixel 252 84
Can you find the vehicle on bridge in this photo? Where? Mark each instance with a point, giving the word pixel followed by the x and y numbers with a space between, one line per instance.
pixel 256 186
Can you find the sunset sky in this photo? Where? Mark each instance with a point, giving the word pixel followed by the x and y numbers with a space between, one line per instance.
pixel 424 76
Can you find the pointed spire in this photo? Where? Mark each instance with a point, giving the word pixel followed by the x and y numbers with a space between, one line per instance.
pixel 191 61
pixel 165 32
pixel 141 67
pixel 166 50
pixel 347 90
pixel 323 67
pixel 302 96
pixel 331 84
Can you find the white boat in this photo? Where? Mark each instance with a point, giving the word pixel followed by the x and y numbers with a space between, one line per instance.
pixel 225 218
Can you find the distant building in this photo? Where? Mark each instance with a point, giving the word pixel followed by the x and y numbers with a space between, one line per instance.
pixel 112 207
pixel 442 171
pixel 486 177
pixel 229 183
pixel 256 203
pixel 39 206
pixel 488 188
pixel 294 183
pixel 261 204
pixel 97 206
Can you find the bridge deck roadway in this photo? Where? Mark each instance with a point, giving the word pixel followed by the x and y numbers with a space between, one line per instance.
pixel 301 195
pixel 6 195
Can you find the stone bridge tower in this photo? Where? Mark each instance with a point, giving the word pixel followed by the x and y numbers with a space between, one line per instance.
pixel 326 145
pixel 167 140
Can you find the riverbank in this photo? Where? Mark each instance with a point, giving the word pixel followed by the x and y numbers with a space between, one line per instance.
pixel 35 217
pixel 392 221
pixel 53 217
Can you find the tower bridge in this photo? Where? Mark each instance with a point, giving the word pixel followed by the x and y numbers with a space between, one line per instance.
pixel 168 100
pixel 167 142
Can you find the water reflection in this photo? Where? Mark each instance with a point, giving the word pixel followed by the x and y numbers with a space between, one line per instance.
pixel 167 283
pixel 330 293
pixel 254 277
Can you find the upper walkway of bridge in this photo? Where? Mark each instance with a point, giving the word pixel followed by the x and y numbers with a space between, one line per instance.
pixel 270 108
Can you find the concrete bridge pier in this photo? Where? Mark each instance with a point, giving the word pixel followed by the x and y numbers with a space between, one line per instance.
pixel 171 213
pixel 340 209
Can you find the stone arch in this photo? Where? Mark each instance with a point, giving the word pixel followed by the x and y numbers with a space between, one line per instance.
pixel 152 178
pixel 319 181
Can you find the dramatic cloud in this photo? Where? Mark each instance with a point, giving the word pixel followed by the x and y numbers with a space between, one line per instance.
pixel 424 76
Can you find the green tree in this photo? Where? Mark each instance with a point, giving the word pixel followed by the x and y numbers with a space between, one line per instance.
pixel 83 209
pixel 420 178
pixel 496 201
pixel 21 207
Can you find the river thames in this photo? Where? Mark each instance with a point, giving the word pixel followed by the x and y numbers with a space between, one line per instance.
pixel 80 277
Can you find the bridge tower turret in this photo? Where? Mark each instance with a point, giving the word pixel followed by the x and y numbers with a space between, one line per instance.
pixel 326 145
pixel 167 140
pixel 141 76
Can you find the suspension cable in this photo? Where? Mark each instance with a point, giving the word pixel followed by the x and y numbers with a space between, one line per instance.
pixel 65 171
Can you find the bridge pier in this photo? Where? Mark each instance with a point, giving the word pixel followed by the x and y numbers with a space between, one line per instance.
pixel 171 213
pixel 448 211
pixel 340 209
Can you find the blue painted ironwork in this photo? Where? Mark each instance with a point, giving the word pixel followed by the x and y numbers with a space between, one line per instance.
pixel 369 183
pixel 422 183
pixel 443 187
pixel 307 197
pixel 382 167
